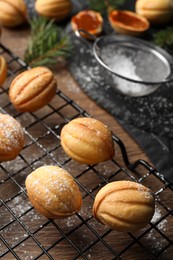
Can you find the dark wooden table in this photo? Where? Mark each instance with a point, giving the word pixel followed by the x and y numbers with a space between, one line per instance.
pixel 30 235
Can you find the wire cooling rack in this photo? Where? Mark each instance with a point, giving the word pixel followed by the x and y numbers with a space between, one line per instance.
pixel 25 234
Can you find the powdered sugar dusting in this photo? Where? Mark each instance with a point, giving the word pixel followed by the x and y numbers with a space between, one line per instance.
pixel 54 188
pixel 157 241
pixel 11 133
pixel 156 217
pixel 147 193
pixel 125 67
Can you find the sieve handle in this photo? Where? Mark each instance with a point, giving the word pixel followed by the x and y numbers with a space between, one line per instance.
pixel 85 37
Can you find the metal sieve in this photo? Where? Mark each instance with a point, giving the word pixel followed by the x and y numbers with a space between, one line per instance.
pixel 135 67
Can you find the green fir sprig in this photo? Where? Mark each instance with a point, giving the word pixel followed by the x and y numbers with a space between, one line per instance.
pixel 104 6
pixel 164 37
pixel 47 43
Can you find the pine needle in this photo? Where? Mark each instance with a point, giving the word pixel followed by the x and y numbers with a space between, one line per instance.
pixel 164 37
pixel 102 6
pixel 47 43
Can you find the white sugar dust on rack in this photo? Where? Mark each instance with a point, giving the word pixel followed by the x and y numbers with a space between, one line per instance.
pixel 156 240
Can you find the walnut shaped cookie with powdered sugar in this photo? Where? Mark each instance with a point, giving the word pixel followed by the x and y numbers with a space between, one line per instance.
pixel 11 138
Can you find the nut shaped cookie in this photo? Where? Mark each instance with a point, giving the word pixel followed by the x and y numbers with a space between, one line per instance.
pixel 11 138
pixel 56 9
pixel 87 141
pixel 13 13
pixel 156 11
pixel 53 192
pixel 124 206
pixel 32 89
pixel 3 70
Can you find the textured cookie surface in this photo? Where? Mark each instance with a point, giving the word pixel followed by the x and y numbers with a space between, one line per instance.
pixel 124 206
pixel 53 192
pixel 3 69
pixel 55 9
pixel 11 138
pixel 13 13
pixel 32 89
pixel 156 11
pixel 87 140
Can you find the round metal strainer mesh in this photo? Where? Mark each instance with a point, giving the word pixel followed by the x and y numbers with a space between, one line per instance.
pixel 133 59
